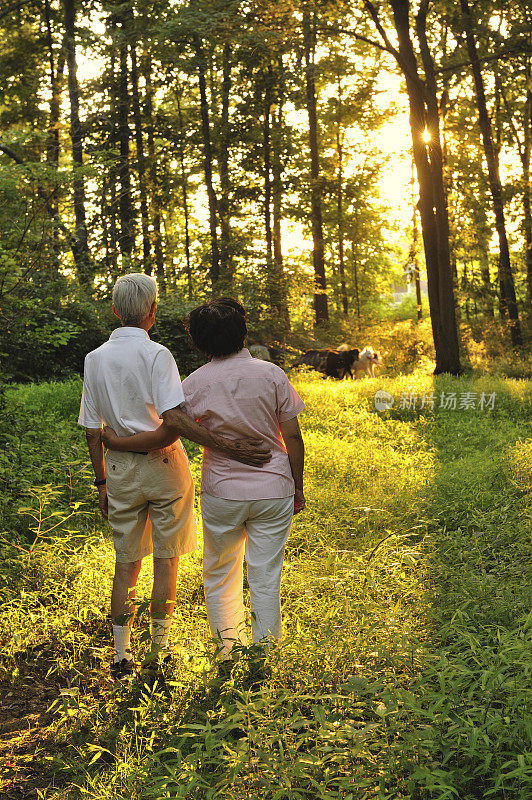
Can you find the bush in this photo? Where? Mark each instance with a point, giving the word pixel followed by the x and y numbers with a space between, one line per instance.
pixel 48 336
pixel 170 330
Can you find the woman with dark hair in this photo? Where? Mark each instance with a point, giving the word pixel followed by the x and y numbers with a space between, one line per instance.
pixel 245 509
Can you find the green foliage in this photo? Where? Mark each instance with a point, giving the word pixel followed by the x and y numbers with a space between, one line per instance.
pixel 405 666
pixel 170 330
pixel 51 331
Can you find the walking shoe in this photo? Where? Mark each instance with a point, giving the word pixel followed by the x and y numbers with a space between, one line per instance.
pixel 152 667
pixel 123 671
pixel 259 671
pixel 225 669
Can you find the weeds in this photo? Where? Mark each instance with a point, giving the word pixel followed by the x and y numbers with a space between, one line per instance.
pixel 405 668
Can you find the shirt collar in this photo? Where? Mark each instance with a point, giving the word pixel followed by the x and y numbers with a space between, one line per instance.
pixel 244 353
pixel 127 331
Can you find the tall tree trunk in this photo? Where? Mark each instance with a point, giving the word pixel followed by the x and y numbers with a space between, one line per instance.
pixel 417 277
pixel 184 190
pixel 339 204
pixel 486 284
pixel 266 150
pixel 448 330
pixel 127 234
pixel 53 147
pixel 432 205
pixel 355 275
pixel 154 181
pixel 226 261
pixel 527 215
pixel 56 77
pixel 277 199
pixel 465 289
pixel 139 144
pixel 105 226
pixel 207 161
pixel 320 293
pixel 81 248
pixel 415 246
pixel 110 206
pixel 508 298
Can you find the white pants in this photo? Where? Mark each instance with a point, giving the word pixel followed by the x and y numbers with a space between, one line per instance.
pixel 230 527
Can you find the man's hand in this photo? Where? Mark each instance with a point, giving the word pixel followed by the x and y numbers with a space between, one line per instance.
pixel 102 501
pixel 299 501
pixel 252 452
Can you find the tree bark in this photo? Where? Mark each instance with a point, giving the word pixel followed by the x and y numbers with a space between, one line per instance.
pixel 417 276
pixel 207 162
pixel 139 144
pixel 80 249
pixel 226 261
pixel 508 298
pixel 320 294
pixel 277 199
pixel 110 206
pixel 355 275
pixel 127 232
pixel 339 204
pixel 184 190
pixel 266 150
pixel 416 100
pixel 448 329
pixel 154 181
pixel 56 76
pixel 525 160
pixel 432 207
pixel 53 146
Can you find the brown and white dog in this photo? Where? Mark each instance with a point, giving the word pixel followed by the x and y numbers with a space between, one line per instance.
pixel 366 362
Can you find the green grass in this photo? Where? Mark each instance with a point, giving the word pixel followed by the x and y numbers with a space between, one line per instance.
pixel 406 665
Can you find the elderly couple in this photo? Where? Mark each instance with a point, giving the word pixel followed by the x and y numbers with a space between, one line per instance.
pixel 244 412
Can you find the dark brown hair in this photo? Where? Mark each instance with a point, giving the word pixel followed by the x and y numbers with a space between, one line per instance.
pixel 218 328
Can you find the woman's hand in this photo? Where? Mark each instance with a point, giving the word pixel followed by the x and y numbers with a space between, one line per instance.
pixel 299 501
pixel 109 438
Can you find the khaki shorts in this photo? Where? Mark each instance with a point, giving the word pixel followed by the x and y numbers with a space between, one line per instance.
pixel 151 503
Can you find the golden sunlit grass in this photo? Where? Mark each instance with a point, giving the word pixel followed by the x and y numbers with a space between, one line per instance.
pixel 403 670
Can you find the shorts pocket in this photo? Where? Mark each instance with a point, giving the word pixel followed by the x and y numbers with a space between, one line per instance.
pixel 115 465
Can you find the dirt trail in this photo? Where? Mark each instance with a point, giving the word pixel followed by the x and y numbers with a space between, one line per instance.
pixel 24 731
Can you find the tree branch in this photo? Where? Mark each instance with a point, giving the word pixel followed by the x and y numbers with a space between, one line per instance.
pixel 45 197
pixel 11 153
pixel 515 132
pixel 521 46
pixel 403 65
pixel 370 8
pixel 354 35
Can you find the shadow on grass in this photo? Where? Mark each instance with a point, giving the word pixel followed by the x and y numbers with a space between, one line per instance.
pixel 471 725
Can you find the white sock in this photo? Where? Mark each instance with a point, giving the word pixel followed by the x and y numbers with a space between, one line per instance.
pixel 160 630
pixel 122 637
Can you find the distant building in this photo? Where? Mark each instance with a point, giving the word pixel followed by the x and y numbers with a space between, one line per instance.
pixel 406 287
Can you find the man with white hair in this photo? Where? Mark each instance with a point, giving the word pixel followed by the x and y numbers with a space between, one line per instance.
pixel 130 383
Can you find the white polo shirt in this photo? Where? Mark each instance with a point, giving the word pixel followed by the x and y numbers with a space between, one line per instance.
pixel 128 383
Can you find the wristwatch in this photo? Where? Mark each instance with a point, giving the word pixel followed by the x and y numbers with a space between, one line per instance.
pixel 100 483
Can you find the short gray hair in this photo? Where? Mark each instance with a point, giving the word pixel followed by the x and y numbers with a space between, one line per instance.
pixel 133 297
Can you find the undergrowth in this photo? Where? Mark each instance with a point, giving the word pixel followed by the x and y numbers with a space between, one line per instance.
pixel 405 668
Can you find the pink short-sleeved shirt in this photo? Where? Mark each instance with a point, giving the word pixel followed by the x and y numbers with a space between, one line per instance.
pixel 238 397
